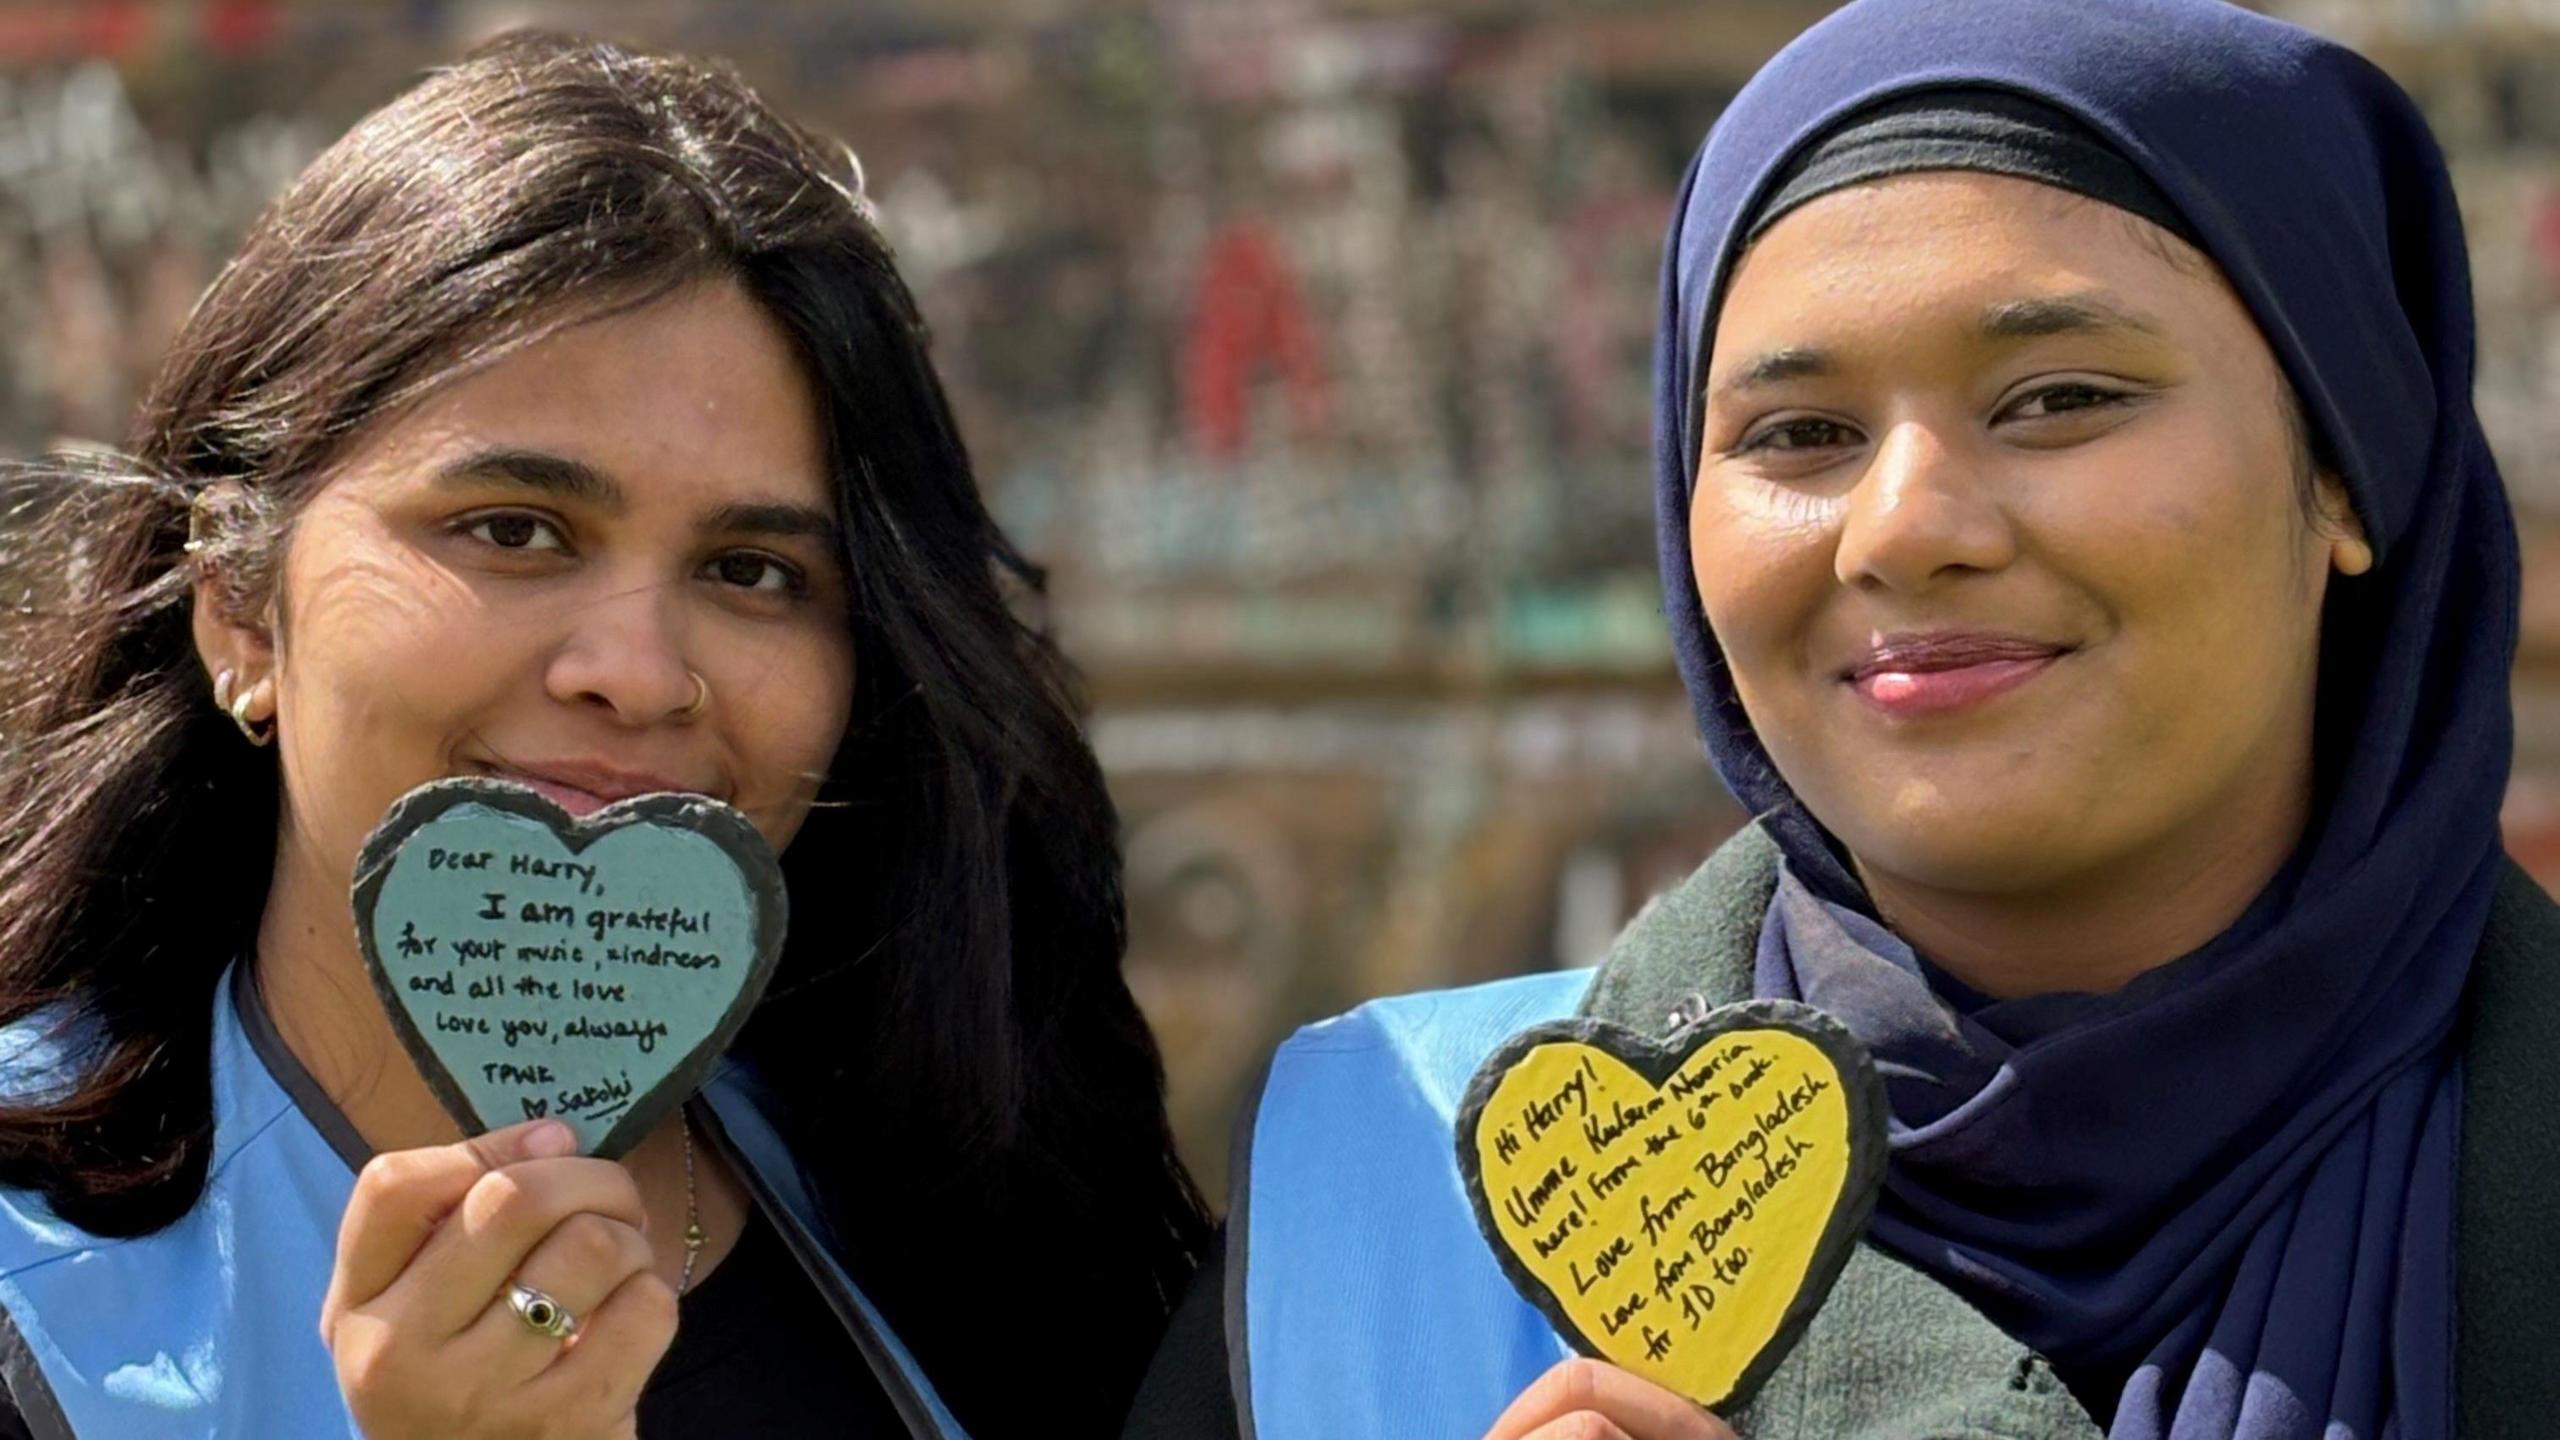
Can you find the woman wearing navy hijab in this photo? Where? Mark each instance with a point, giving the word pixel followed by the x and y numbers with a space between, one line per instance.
pixel 2087 566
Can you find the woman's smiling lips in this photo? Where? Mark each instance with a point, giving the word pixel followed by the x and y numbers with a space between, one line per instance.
pixel 583 787
pixel 1912 675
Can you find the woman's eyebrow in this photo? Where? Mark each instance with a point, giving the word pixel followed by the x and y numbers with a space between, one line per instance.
pixel 2062 315
pixel 575 480
pixel 1775 367
pixel 535 470
pixel 773 518
pixel 2029 319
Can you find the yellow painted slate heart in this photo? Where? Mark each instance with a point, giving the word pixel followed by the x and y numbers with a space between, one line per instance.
pixel 1678 1207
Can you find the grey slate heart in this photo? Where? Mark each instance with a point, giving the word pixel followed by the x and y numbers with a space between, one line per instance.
pixel 538 964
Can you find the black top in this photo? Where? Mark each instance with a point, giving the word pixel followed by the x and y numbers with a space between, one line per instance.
pixel 1185 1395
pixel 758 1352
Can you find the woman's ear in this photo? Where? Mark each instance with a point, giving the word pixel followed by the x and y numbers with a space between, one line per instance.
pixel 228 641
pixel 2350 553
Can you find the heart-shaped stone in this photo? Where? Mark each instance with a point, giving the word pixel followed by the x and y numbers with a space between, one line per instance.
pixel 590 970
pixel 1679 1207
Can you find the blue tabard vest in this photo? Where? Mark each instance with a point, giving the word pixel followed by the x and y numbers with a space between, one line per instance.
pixel 1356 1108
pixel 210 1328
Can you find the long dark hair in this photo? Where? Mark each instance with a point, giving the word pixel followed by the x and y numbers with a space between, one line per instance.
pixel 974 1078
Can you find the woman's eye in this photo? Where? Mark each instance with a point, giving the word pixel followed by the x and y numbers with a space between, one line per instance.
pixel 750 571
pixel 517 532
pixel 2063 399
pixel 1808 433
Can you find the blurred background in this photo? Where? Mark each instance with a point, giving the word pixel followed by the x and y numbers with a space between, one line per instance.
pixel 1306 340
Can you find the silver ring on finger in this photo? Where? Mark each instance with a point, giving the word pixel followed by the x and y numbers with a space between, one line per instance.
pixel 540 1313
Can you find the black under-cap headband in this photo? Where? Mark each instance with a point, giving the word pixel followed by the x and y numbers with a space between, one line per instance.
pixel 1967 128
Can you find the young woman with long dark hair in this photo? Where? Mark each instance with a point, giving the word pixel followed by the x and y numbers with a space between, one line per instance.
pixel 566 422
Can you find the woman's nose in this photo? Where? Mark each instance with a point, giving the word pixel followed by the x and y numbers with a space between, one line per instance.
pixel 625 652
pixel 1920 516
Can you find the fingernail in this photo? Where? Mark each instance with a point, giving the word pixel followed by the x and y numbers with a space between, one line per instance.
pixel 549 1140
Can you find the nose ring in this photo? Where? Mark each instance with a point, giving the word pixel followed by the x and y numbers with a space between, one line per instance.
pixel 701 697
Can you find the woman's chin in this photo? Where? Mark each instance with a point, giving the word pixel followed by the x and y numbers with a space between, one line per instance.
pixel 1967 846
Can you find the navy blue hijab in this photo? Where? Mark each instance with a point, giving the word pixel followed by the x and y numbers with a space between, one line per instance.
pixel 2222 1199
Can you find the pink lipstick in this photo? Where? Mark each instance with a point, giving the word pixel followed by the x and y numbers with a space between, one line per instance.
pixel 1912 675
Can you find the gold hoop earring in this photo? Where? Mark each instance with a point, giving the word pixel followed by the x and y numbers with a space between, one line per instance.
pixel 701 697
pixel 258 735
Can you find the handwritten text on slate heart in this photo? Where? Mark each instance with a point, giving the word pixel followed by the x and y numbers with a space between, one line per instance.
pixel 556 977
pixel 1675 1224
